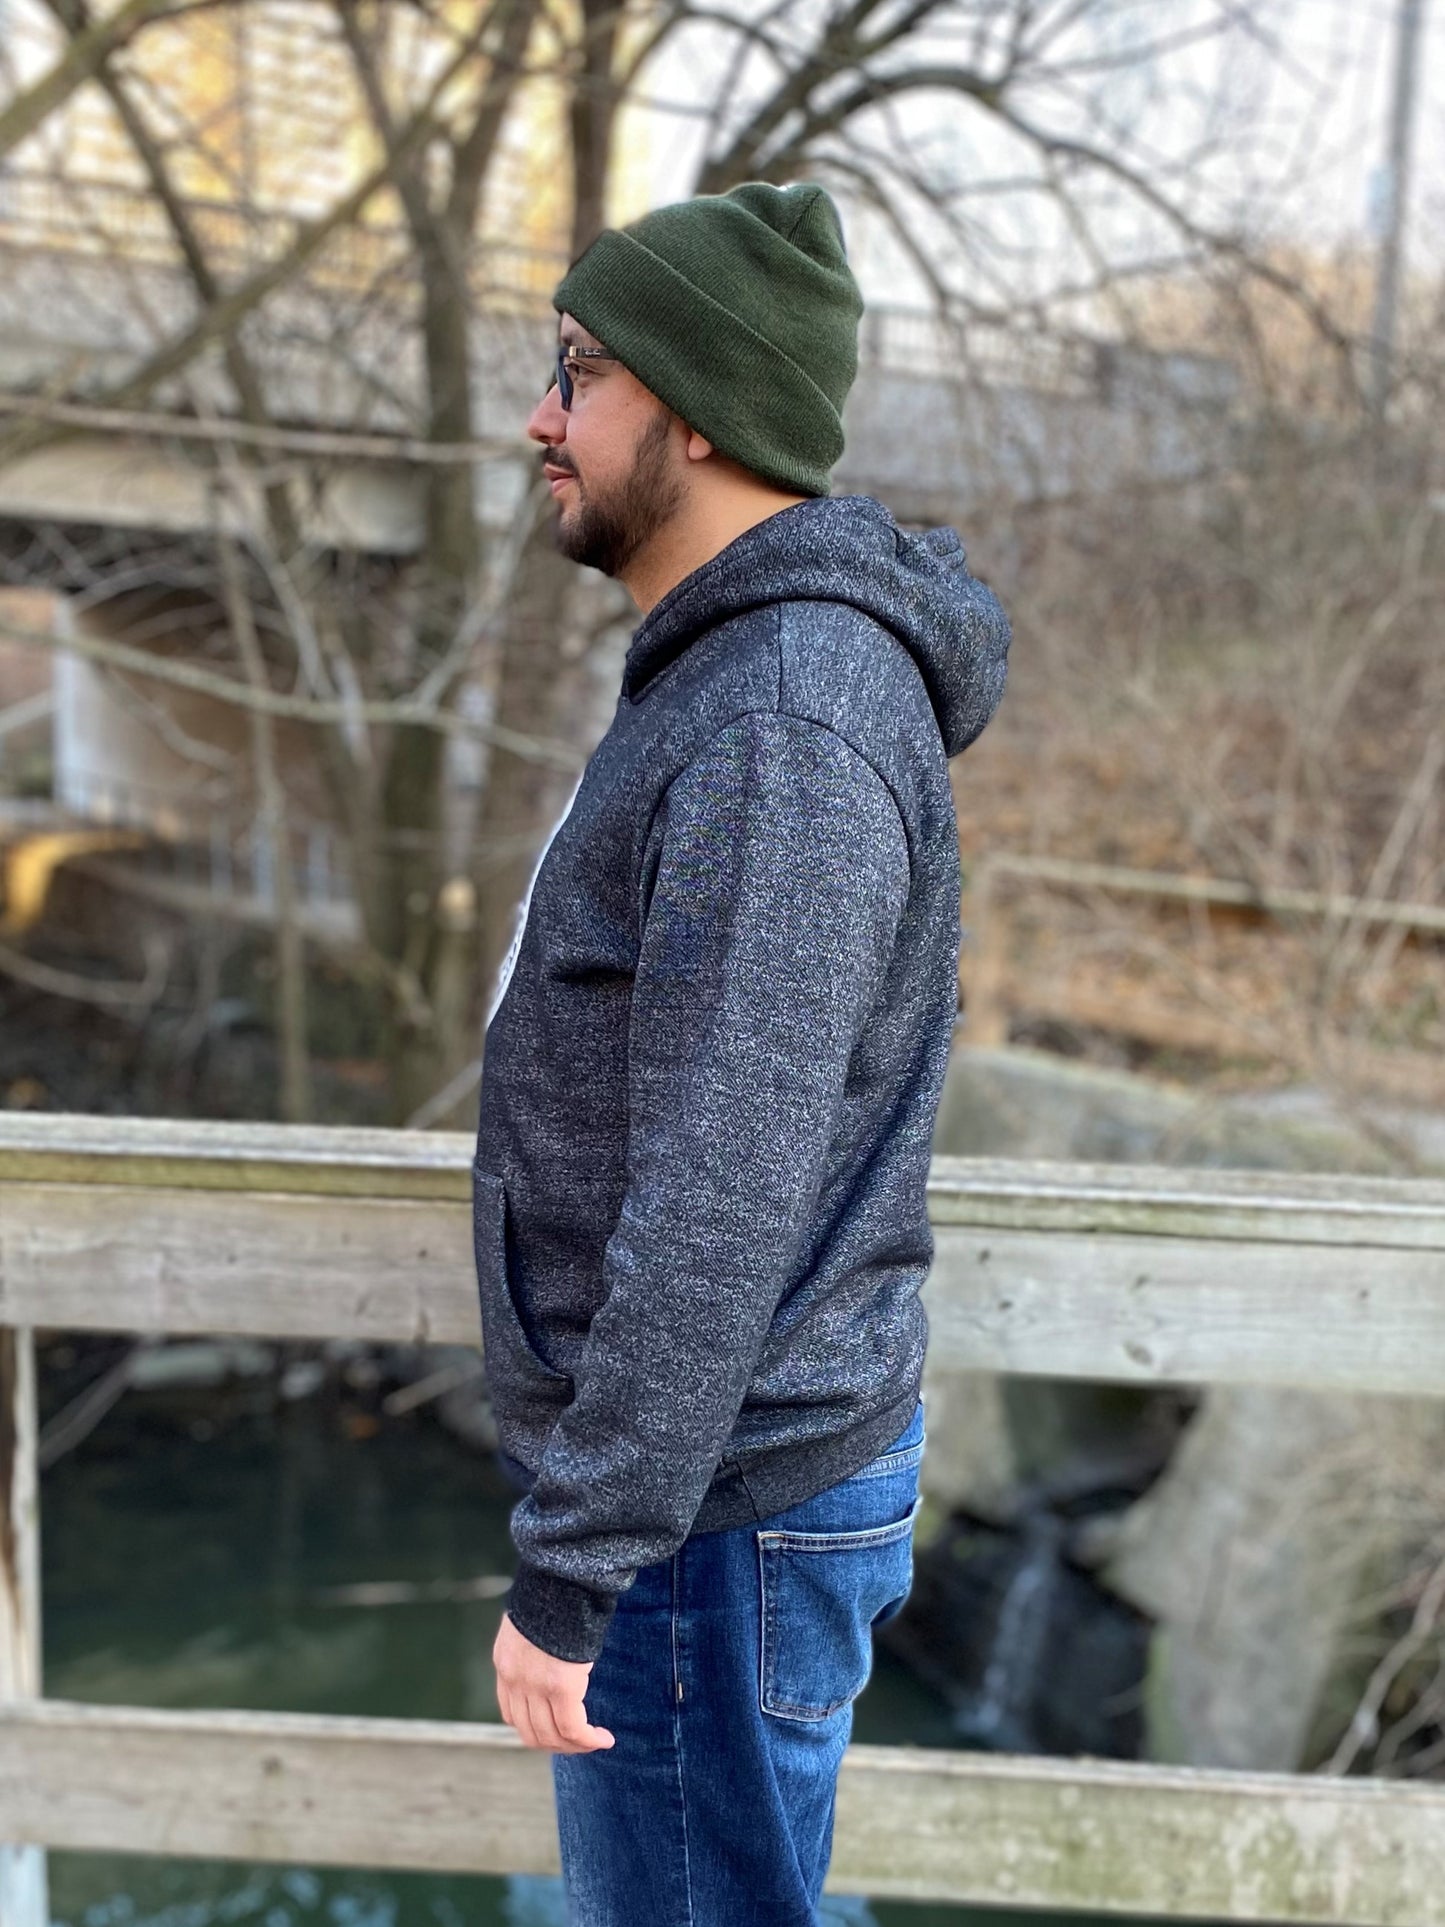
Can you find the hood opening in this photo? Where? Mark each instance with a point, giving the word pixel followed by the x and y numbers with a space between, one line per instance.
pixel 849 549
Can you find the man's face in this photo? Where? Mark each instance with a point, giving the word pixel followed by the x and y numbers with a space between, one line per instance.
pixel 612 459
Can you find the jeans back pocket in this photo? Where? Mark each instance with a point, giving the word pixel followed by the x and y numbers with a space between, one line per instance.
pixel 822 1593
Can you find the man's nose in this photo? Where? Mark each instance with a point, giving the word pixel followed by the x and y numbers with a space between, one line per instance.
pixel 548 421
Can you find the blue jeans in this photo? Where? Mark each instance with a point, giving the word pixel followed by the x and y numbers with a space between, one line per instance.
pixel 728 1678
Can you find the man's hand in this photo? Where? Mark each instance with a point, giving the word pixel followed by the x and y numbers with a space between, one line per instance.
pixel 541 1695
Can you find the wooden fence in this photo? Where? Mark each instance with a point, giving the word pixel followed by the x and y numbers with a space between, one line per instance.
pixel 1113 1272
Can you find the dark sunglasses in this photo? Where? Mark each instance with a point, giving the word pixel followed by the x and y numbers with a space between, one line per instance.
pixel 572 354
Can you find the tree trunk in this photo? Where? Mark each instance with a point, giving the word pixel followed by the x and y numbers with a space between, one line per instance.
pixel 290 951
pixel 593 114
pixel 536 693
pixel 539 677
pixel 426 1039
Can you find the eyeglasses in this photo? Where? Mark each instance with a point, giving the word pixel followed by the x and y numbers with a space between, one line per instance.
pixel 567 357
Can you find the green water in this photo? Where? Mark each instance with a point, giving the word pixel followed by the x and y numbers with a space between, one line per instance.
pixel 185 1571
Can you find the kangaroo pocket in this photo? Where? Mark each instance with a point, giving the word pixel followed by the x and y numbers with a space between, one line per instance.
pixel 822 1594
pixel 527 1392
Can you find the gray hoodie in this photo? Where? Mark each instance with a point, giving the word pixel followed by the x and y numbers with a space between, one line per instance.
pixel 715 1057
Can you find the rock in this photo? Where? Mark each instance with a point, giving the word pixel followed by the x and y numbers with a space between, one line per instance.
pixel 302 1378
pixel 969 1460
pixel 198 1362
pixel 1255 1550
pixel 1281 1510
pixel 1015 1102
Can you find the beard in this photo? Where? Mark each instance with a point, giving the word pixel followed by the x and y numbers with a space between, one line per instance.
pixel 606 531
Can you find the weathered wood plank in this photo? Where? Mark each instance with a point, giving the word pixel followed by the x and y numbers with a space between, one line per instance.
pixel 104 1257
pixel 1101 1306
pixel 912 1822
pixel 1108 1838
pixel 1157 1200
pixel 191 1154
pixel 1035 1194
pixel 19 1519
pixel 328 1791
pixel 1059 1302
pixel 24 1900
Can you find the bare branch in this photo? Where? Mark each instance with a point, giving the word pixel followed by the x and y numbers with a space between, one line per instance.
pixel 75 66
pixel 208 682
pixel 226 315
pixel 91 990
pixel 342 444
pixel 290 951
pixel 1364 1726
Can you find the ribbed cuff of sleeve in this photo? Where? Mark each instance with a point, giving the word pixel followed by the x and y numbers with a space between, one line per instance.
pixel 565 1619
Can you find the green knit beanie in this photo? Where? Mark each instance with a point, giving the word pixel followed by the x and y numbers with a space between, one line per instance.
pixel 740 312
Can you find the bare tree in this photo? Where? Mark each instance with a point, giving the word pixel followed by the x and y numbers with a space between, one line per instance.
pixel 1067 192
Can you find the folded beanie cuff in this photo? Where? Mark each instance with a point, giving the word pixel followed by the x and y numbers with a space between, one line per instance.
pixel 648 313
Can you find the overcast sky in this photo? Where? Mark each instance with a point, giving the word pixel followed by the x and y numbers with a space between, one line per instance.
pixel 1306 103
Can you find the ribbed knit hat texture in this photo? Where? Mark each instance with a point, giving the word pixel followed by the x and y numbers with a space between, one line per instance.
pixel 740 312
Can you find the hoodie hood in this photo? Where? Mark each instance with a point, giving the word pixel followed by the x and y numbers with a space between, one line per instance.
pixel 849 549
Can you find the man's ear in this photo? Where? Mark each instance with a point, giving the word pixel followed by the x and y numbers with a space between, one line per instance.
pixel 698 446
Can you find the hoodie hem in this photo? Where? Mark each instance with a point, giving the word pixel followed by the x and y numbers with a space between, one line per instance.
pixel 745 1492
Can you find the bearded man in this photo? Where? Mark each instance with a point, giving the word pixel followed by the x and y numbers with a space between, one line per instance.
pixel 713 1064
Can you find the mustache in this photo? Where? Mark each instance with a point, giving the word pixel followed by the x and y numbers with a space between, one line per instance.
pixel 553 458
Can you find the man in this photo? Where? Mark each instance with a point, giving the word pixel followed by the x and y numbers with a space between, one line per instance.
pixel 713 1066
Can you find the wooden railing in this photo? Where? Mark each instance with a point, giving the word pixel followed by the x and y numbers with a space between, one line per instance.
pixel 1110 1272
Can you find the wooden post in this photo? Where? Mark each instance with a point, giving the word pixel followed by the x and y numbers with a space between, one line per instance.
pixel 24 1900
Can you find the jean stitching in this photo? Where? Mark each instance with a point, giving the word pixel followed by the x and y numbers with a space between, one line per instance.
pixel 767 1646
pixel 779 1540
pixel 677 1745
pixel 764 1610
pixel 893 1462
pixel 789 1711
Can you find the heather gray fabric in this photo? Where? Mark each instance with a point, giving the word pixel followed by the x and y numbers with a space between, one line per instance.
pixel 712 1076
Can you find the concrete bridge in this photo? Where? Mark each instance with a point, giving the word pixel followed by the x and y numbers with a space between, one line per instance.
pixel 935 424
pixel 91 292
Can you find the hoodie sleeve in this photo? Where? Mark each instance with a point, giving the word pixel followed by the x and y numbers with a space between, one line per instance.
pixel 779 871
